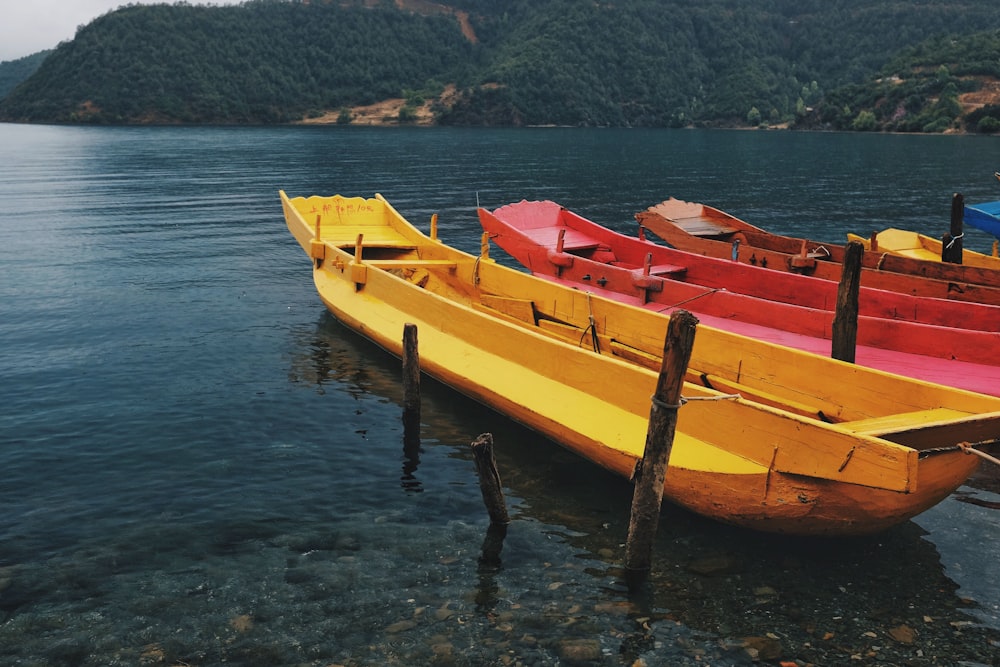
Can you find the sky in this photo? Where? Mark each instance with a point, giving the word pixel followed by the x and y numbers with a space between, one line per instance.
pixel 30 26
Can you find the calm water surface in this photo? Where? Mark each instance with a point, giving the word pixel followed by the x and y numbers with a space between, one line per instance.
pixel 201 467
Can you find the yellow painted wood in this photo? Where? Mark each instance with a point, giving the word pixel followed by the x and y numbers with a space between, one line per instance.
pixel 919 246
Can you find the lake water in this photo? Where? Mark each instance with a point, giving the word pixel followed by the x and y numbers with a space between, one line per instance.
pixel 199 466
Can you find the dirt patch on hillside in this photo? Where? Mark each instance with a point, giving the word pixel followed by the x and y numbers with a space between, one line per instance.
pixel 424 7
pixel 387 112
pixel 988 93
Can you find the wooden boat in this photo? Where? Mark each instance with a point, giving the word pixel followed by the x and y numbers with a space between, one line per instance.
pixel 912 244
pixel 897 333
pixel 708 231
pixel 807 446
pixel 984 216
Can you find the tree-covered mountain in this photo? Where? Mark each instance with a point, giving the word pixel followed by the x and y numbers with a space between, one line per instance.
pixel 945 83
pixel 13 72
pixel 513 62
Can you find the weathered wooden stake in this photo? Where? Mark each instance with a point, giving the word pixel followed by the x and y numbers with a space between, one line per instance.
pixel 411 384
pixel 651 471
pixel 489 479
pixel 493 545
pixel 951 244
pixel 845 318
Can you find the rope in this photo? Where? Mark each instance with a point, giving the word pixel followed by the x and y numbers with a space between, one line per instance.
pixel 824 249
pixel 663 405
pixel 681 303
pixel 595 342
pixel 720 397
pixel 968 449
pixel 952 242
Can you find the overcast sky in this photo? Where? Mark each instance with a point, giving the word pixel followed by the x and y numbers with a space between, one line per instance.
pixel 29 26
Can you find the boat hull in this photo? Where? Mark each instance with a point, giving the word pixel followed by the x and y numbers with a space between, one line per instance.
pixel 985 216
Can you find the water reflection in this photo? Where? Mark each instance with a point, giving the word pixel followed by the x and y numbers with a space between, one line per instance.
pixel 884 597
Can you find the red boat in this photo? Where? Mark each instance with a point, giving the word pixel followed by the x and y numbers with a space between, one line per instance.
pixel 949 342
pixel 708 231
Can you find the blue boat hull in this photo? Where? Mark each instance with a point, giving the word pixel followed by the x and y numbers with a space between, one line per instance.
pixel 985 216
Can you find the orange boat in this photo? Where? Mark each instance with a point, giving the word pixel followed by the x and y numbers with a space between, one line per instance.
pixel 708 231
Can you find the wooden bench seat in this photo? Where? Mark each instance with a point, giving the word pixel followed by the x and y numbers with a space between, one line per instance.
pixel 667 270
pixel 549 236
pixel 699 226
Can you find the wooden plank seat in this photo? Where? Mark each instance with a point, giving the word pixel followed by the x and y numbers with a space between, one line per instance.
pixel 549 236
pixel 667 270
pixel 906 421
pixel 374 237
pixel 414 263
pixel 699 226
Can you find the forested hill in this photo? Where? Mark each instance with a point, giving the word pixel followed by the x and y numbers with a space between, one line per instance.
pixel 15 71
pixel 518 62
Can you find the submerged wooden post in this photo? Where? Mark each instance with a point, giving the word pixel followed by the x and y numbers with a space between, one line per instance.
pixel 651 470
pixel 489 479
pixel 411 381
pixel 951 244
pixel 845 319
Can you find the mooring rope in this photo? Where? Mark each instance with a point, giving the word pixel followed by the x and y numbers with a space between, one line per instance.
pixel 969 449
pixel 952 242
pixel 595 342
pixel 698 296
pixel 823 248
pixel 663 405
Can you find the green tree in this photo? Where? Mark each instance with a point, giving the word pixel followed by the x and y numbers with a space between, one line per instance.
pixel 865 121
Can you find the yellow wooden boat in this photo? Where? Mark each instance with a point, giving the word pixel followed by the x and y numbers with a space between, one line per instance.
pixel 769 438
pixel 906 243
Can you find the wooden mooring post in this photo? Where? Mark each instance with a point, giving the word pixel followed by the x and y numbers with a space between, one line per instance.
pixel 411 378
pixel 845 318
pixel 489 479
pixel 951 243
pixel 651 470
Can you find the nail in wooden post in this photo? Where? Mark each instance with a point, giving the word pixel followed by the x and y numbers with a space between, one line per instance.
pixel 411 377
pixel 489 479
pixel 651 471
pixel 951 244
pixel 845 318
